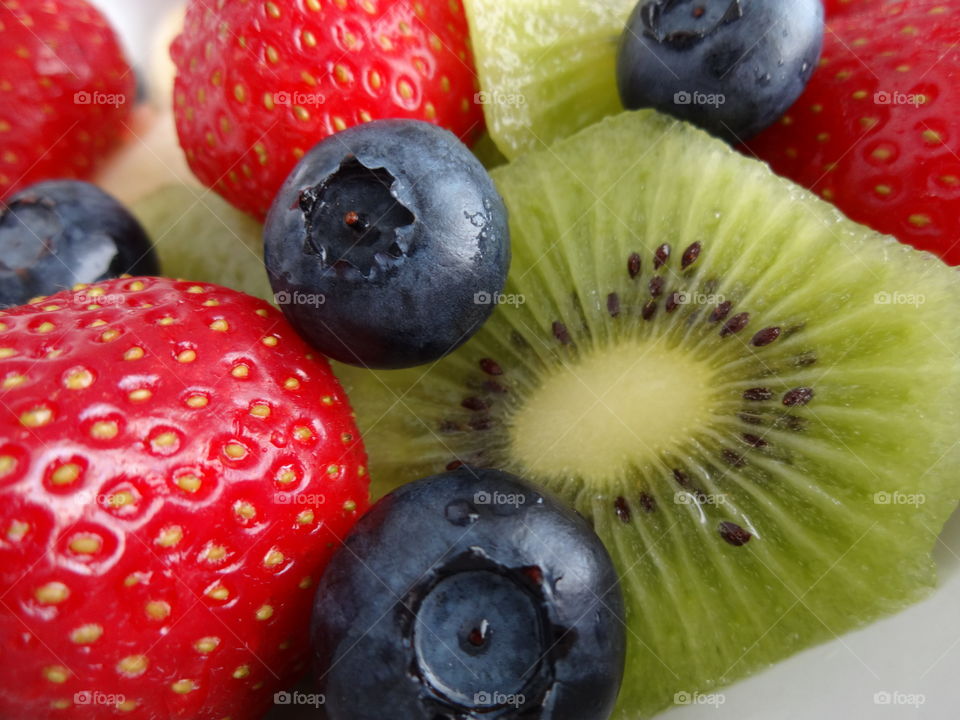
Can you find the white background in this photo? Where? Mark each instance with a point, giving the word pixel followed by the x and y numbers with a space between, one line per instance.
pixel 914 653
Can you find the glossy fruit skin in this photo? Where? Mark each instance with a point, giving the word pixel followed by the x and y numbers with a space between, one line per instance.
pixel 58 233
pixel 432 275
pixel 724 70
pixel 876 131
pixel 66 91
pixel 278 77
pixel 202 546
pixel 432 561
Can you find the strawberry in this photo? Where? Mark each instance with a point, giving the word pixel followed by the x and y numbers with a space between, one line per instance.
pixel 66 91
pixel 878 129
pixel 260 83
pixel 176 469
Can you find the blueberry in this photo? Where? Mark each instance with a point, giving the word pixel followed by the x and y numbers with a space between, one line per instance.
pixel 58 233
pixel 469 595
pixel 386 243
pixel 733 67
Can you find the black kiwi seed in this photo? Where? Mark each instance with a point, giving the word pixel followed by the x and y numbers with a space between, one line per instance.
pixel 482 424
pixel 757 394
pixel 682 479
pixel 561 333
pixel 613 304
pixel 765 336
pixel 735 324
pixel 754 440
pixel 622 508
pixel 474 404
pixel 734 534
pixel 656 286
pixel 798 396
pixel 690 256
pixel 649 310
pixel 661 256
pixel 673 302
pixel 454 464
pixel 734 459
pixel 721 311
pixel 491 366
pixel 492 386
pixel 633 265
pixel 647 502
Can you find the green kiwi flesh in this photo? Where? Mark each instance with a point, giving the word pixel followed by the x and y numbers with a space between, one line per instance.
pixel 753 399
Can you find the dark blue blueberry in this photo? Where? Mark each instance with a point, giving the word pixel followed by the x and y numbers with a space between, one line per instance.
pixel 469 595
pixel 733 67
pixel 58 233
pixel 387 244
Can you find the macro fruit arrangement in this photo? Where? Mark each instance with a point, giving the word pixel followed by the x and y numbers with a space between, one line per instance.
pixel 469 361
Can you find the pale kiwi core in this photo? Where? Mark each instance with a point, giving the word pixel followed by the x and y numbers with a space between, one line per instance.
pixel 613 409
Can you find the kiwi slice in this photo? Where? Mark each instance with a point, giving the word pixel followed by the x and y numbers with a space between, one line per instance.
pixel 199 236
pixel 547 68
pixel 755 400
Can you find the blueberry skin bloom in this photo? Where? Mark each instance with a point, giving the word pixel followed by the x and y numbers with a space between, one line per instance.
pixel 732 67
pixel 469 595
pixel 58 233
pixel 386 244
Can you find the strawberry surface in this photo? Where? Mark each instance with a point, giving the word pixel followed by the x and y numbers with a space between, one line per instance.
pixel 877 130
pixel 260 83
pixel 66 91
pixel 176 468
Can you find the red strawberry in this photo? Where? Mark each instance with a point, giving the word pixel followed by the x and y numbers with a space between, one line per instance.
pixel 878 129
pixel 65 91
pixel 175 470
pixel 260 83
